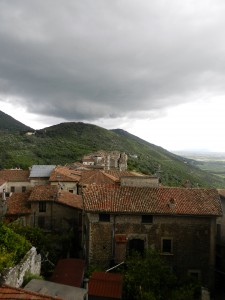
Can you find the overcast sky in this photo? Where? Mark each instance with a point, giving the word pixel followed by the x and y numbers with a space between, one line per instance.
pixel 153 68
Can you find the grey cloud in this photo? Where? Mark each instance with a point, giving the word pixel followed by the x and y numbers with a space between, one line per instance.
pixel 104 59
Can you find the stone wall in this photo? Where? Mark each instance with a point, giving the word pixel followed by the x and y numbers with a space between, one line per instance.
pixel 139 181
pixel 56 217
pixel 14 276
pixel 193 241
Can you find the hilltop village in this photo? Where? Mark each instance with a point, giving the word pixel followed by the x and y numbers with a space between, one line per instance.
pixel 112 212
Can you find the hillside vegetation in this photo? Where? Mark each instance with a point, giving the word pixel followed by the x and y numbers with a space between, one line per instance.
pixel 68 142
pixel 9 123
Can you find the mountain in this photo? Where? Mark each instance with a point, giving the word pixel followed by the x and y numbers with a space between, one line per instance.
pixel 68 142
pixel 9 123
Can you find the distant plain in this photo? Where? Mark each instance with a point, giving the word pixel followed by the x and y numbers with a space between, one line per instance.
pixel 212 162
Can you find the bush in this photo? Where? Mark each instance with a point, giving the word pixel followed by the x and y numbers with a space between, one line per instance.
pixel 29 276
pixel 13 247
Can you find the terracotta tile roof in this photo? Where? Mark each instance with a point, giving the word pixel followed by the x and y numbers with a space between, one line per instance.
pixel 53 193
pixel 69 271
pixel 117 173
pixel 70 199
pixel 63 173
pixel 161 200
pixel 96 177
pixel 17 204
pixel 108 285
pixel 77 166
pixel 44 193
pixel 12 293
pixel 15 175
pixel 2 181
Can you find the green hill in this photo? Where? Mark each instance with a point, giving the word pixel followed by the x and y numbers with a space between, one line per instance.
pixel 9 123
pixel 68 142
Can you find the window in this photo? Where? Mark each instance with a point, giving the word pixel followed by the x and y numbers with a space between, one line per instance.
pixel 12 189
pixel 23 189
pixel 167 245
pixel 196 274
pixel 71 191
pixel 136 245
pixel 147 219
pixel 42 206
pixel 104 217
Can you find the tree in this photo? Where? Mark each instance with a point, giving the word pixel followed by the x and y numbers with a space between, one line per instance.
pixel 13 247
pixel 148 277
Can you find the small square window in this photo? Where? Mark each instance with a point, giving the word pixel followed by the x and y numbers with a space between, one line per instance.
pixel 195 274
pixel 12 189
pixel 104 217
pixel 42 206
pixel 167 245
pixel 147 219
pixel 23 189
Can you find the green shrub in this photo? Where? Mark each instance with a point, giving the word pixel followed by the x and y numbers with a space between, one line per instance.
pixel 29 276
pixel 13 247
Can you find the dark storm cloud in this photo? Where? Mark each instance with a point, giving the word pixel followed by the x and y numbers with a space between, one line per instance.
pixel 102 59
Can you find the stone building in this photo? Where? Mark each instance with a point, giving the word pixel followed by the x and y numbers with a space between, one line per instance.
pixel 54 209
pixel 180 223
pixel 106 160
pixel 14 180
pixel 220 242
pixel 66 178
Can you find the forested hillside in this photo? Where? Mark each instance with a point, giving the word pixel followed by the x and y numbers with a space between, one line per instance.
pixel 68 142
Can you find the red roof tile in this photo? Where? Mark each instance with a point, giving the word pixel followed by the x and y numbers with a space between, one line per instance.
pixel 54 193
pixel 17 204
pixel 44 193
pixel 96 177
pixel 118 174
pixel 163 200
pixel 107 285
pixel 12 293
pixel 15 175
pixel 70 199
pixel 62 174
pixel 69 272
pixel 2 181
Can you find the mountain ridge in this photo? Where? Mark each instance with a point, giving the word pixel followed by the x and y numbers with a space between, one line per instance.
pixel 9 123
pixel 67 142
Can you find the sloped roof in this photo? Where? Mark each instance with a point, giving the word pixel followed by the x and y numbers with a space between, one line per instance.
pixel 69 271
pixel 107 285
pixel 96 177
pixel 44 192
pixel 53 193
pixel 41 171
pixel 221 192
pixel 64 173
pixel 2 181
pixel 16 175
pixel 70 199
pixel 161 200
pixel 12 293
pixel 17 204
pixel 77 166
pixel 118 174
pixel 55 290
